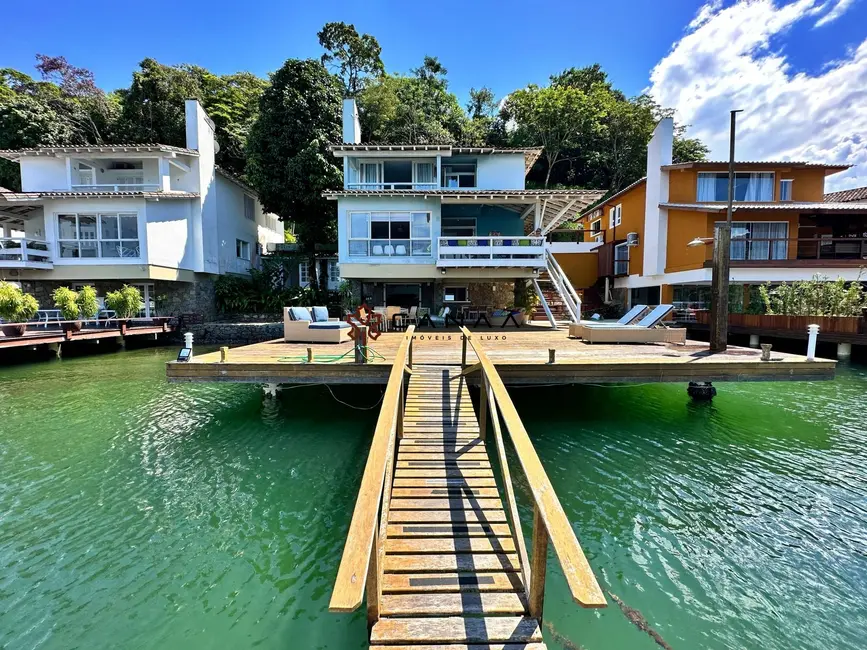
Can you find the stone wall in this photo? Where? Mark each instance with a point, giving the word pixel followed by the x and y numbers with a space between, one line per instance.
pixel 238 333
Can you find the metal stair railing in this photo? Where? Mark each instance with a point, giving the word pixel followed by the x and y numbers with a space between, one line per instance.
pixel 544 303
pixel 564 287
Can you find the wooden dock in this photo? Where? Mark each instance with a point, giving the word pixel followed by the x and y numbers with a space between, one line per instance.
pixel 116 329
pixel 522 356
pixel 432 547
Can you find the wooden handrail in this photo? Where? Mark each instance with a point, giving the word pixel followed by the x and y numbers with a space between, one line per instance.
pixel 361 541
pixel 582 582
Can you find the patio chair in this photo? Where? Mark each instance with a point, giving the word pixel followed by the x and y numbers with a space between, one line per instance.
pixel 439 319
pixel 647 330
pixel 629 318
pixel 412 315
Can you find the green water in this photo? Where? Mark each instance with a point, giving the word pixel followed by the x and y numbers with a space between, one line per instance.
pixel 139 514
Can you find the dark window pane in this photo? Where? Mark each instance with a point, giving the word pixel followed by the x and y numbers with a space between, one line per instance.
pixel 379 230
pixel 400 229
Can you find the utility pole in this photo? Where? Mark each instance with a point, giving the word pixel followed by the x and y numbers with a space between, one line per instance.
pixel 719 302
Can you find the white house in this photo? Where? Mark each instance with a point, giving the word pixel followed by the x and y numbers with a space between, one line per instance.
pixel 443 224
pixel 164 218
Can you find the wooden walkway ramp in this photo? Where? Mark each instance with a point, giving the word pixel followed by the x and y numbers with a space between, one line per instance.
pixel 443 554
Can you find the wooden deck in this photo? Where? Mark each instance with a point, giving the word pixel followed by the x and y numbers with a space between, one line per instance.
pixel 38 336
pixel 452 572
pixel 520 355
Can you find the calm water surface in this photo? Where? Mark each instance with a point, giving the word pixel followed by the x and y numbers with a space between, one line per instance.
pixel 138 514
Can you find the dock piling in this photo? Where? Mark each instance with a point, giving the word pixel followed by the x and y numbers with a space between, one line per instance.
pixel 701 391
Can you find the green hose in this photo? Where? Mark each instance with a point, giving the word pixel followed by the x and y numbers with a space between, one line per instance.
pixel 367 352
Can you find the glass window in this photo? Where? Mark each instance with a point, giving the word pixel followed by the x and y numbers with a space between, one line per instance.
pixel 128 226
pixel 459 175
pixel 400 229
pixel 621 259
pixel 249 208
pixel 786 189
pixel 424 173
pixel 358 248
pixel 67 226
pixel 759 240
pixel 455 294
pixel 108 224
pixel 379 230
pixel 358 225
pixel 749 186
pixel 420 225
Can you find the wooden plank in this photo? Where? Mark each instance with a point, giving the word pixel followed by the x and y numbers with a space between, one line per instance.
pixel 452 562
pixel 582 582
pixel 444 482
pixel 463 646
pixel 406 454
pixel 444 464
pixel 404 583
pixel 456 630
pixel 446 516
pixel 453 604
pixel 349 586
pixel 536 596
pixel 444 472
pixel 445 504
pixel 447 530
pixel 445 492
pixel 444 545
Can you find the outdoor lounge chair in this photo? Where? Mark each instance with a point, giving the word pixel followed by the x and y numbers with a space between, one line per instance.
pixel 647 330
pixel 629 318
pixel 439 320
pixel 303 325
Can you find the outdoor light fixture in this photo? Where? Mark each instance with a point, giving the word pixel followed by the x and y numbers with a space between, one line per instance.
pixel 185 354
pixel 701 241
pixel 443 271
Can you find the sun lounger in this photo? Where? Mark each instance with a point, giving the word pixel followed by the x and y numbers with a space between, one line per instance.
pixel 627 319
pixel 647 330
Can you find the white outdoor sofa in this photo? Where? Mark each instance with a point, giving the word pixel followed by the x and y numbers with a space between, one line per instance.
pixel 312 325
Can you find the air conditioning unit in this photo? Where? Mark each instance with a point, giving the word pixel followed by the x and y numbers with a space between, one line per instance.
pixel 632 239
pixel 271 247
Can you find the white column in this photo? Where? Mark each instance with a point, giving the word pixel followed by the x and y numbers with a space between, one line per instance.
pixel 537 216
pixel 165 174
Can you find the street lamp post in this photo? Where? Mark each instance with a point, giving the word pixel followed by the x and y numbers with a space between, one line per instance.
pixel 719 305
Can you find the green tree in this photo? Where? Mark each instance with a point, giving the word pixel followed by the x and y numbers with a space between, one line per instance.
pixel 288 159
pixel 559 118
pixel 354 56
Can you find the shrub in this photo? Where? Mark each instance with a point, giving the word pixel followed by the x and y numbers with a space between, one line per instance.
pixel 15 305
pixel 817 297
pixel 66 300
pixel 87 302
pixel 125 302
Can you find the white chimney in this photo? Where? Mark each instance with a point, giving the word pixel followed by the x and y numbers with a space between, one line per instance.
pixel 351 125
pixel 659 152
pixel 201 179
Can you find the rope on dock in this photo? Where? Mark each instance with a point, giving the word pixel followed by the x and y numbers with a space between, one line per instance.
pixel 367 352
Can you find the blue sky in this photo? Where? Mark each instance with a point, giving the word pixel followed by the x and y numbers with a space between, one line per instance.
pixel 783 61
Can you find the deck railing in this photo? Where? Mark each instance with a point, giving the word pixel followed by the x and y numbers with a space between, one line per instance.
pixel 24 251
pixel 779 251
pixel 361 566
pixel 549 520
pixel 117 187
pixel 491 251
pixel 392 186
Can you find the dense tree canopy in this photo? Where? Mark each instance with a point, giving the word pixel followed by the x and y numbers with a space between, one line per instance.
pixel 288 162
pixel 276 132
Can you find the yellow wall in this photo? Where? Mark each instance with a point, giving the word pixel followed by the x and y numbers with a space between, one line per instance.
pixel 808 185
pixel 683 227
pixel 580 268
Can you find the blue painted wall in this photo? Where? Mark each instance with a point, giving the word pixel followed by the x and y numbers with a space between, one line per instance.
pixel 488 218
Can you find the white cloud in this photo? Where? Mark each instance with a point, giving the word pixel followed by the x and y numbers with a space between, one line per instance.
pixel 837 10
pixel 724 61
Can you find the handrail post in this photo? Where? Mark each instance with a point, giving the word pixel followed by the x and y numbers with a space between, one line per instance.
pixel 400 406
pixel 483 407
pixel 409 355
pixel 463 351
pixel 538 565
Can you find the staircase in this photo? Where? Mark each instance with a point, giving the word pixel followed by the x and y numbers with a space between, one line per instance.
pixel 559 301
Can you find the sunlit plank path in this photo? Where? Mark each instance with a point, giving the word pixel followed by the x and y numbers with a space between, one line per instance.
pixel 433 545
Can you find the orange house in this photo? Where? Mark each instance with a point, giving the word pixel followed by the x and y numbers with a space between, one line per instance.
pixel 649 234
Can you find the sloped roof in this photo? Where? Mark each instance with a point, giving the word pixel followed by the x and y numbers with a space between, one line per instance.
pixel 17 154
pixel 13 197
pixel 531 154
pixel 790 206
pixel 845 196
pixel 830 168
pixel 616 195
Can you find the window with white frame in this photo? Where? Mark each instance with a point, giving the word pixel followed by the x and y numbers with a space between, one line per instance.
pixel 459 175
pixel 242 249
pixel 455 294
pixel 786 189
pixel 749 186
pixel 615 215
pixel 759 240
pixel 101 234
pixel 389 234
pixel 304 273
pixel 249 207
pixel 596 230
pixel 621 259
pixel 333 272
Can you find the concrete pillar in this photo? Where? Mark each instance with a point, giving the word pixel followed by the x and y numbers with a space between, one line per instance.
pixel 55 348
pixel 754 340
pixel 844 350
pixel 666 294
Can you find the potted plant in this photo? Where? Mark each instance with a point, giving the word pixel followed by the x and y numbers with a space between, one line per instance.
pixel 125 302
pixel 88 305
pixel 66 300
pixel 16 308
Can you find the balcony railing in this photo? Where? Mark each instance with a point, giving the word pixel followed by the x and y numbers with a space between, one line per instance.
pixel 812 251
pixel 118 187
pixel 23 252
pixel 392 186
pixel 491 251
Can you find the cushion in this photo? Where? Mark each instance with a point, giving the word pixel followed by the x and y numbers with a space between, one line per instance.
pixel 300 313
pixel 330 325
pixel 320 314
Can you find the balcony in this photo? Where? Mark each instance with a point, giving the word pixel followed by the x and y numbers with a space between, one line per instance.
pixel 391 186
pixel 518 252
pixel 795 253
pixel 25 253
pixel 117 187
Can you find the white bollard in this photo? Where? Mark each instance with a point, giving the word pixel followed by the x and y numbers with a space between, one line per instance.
pixel 812 335
pixel 188 342
pixel 844 350
pixel 754 340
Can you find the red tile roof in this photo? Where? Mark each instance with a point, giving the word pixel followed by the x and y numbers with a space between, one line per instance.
pixel 846 196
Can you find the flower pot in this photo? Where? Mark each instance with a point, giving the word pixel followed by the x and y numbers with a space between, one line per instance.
pixel 14 329
pixel 72 326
